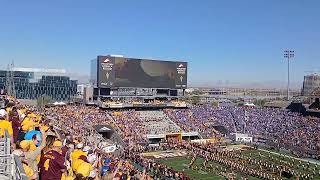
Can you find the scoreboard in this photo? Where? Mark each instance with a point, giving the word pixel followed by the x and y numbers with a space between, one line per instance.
pixel 114 71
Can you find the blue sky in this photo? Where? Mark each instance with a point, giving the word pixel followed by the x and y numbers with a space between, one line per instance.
pixel 224 41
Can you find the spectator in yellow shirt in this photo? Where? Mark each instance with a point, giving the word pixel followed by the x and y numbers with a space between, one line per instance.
pixel 78 152
pixel 5 125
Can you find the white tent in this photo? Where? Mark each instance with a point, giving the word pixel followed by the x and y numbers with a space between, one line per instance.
pixel 62 103
pixel 59 103
pixel 56 103
pixel 249 104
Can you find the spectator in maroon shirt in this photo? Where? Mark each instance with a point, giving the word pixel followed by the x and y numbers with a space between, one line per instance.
pixel 16 124
pixel 52 163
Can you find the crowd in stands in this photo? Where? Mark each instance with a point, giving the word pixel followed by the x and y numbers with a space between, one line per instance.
pixel 61 144
pixel 157 122
pixel 281 128
pixel 130 127
pixel 201 119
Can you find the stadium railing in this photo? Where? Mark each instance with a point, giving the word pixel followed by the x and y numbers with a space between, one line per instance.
pixel 115 136
pixel 10 165
pixel 18 172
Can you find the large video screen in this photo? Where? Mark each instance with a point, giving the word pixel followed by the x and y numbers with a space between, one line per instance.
pixel 130 72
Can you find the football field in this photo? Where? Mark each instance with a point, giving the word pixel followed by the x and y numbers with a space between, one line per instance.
pixel 215 170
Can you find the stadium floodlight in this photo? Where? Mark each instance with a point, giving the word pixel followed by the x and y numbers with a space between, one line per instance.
pixel 288 54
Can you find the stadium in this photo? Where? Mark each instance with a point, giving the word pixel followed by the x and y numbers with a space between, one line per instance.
pixel 137 123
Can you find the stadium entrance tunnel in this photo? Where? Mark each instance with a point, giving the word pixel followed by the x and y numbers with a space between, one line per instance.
pixel 108 132
pixel 220 129
pixel 105 130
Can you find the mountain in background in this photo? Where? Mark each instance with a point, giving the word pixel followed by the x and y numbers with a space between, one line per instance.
pixel 271 84
pixel 82 79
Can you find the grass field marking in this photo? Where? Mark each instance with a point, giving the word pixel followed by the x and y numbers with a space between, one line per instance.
pixel 300 159
pixel 202 172
pixel 165 154
pixel 185 165
pixel 180 164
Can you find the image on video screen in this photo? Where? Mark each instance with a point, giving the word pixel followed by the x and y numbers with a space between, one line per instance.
pixel 146 73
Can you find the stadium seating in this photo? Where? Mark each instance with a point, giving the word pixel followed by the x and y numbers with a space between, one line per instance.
pixel 157 122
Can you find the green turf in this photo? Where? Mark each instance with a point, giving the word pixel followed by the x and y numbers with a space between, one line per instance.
pixel 181 164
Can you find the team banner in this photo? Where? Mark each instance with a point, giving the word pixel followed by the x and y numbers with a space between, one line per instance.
pixel 110 149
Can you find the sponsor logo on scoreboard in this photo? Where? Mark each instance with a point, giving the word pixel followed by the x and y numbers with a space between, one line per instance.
pixel 107 65
pixel 181 69
pixel 181 72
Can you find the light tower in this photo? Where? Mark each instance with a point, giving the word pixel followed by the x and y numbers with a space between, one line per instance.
pixel 10 87
pixel 288 54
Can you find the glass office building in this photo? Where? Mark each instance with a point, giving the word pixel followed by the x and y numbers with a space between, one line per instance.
pixel 32 83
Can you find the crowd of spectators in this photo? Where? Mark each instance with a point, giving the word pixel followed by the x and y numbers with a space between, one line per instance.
pixel 157 122
pixel 281 128
pixel 130 127
pixel 62 144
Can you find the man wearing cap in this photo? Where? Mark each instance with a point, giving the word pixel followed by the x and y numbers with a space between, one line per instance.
pixel 85 167
pixel 52 163
pixel 5 125
pixel 78 162
pixel 78 152
pixel 31 153
pixel 36 132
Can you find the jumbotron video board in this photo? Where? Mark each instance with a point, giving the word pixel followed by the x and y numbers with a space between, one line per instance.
pixel 143 73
